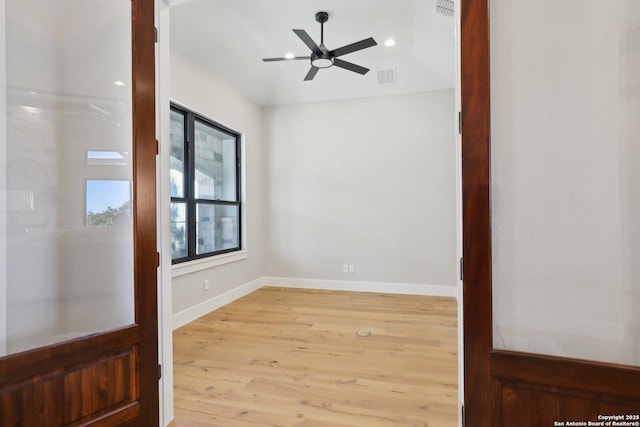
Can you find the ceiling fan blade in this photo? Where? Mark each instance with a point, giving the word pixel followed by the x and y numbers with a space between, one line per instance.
pixel 311 74
pixel 286 59
pixel 354 47
pixel 306 39
pixel 349 66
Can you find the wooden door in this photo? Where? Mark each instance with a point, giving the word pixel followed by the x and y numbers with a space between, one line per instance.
pixel 506 387
pixel 108 377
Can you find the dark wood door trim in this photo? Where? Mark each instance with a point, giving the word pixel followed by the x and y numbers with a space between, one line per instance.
pixel 476 220
pixel 144 193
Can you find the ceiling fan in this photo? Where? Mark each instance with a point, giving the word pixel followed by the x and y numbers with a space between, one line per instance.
pixel 321 57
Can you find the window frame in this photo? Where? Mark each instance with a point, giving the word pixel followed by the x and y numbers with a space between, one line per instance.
pixel 189 199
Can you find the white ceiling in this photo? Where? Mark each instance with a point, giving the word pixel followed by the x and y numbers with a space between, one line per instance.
pixel 230 38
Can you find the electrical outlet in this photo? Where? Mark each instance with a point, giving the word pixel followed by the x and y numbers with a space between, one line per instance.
pixel 352 269
pixel 206 284
pixel 345 268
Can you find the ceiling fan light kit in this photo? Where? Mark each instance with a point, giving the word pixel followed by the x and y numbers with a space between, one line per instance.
pixel 321 57
pixel 322 61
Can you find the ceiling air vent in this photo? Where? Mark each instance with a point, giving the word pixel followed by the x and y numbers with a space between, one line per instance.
pixel 444 7
pixel 386 77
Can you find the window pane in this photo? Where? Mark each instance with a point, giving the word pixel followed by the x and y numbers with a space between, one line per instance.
pixel 215 164
pixel 108 203
pixel 176 172
pixel 216 228
pixel 178 230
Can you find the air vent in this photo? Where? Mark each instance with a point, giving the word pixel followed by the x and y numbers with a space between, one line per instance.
pixel 444 7
pixel 386 77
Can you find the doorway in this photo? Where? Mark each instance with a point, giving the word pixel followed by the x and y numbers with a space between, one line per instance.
pixel 287 270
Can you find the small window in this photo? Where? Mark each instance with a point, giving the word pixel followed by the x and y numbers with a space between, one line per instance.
pixel 108 202
pixel 205 187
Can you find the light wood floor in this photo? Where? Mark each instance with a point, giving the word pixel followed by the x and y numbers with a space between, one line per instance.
pixel 290 357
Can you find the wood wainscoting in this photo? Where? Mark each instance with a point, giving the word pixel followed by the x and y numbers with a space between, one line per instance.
pixel 88 381
pixel 535 390
pixel 292 357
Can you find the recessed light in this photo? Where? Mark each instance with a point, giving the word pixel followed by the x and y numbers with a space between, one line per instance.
pixel 289 55
pixel 119 83
pixel 390 42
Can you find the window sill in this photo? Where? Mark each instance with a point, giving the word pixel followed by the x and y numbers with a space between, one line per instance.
pixel 205 263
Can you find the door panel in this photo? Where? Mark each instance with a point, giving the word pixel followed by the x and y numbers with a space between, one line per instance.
pixel 543 389
pixel 95 382
pixel 543 408
pixel 78 294
pixel 550 219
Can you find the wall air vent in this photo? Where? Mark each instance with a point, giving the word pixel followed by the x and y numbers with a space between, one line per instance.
pixel 445 7
pixel 387 77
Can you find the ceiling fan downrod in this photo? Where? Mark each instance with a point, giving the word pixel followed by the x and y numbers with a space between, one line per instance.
pixel 322 17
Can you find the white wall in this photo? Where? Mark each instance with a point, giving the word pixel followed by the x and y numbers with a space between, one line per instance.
pixel 205 93
pixel 3 183
pixel 165 323
pixel 369 182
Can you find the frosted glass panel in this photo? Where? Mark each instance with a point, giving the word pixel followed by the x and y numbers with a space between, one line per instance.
pixel 565 177
pixel 66 245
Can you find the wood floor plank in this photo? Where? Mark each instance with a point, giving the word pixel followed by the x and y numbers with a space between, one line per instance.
pixel 292 357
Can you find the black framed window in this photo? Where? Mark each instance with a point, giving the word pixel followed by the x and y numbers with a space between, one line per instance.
pixel 205 187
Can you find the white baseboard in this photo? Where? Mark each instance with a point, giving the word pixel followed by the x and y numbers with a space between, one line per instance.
pixel 199 310
pixel 381 287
